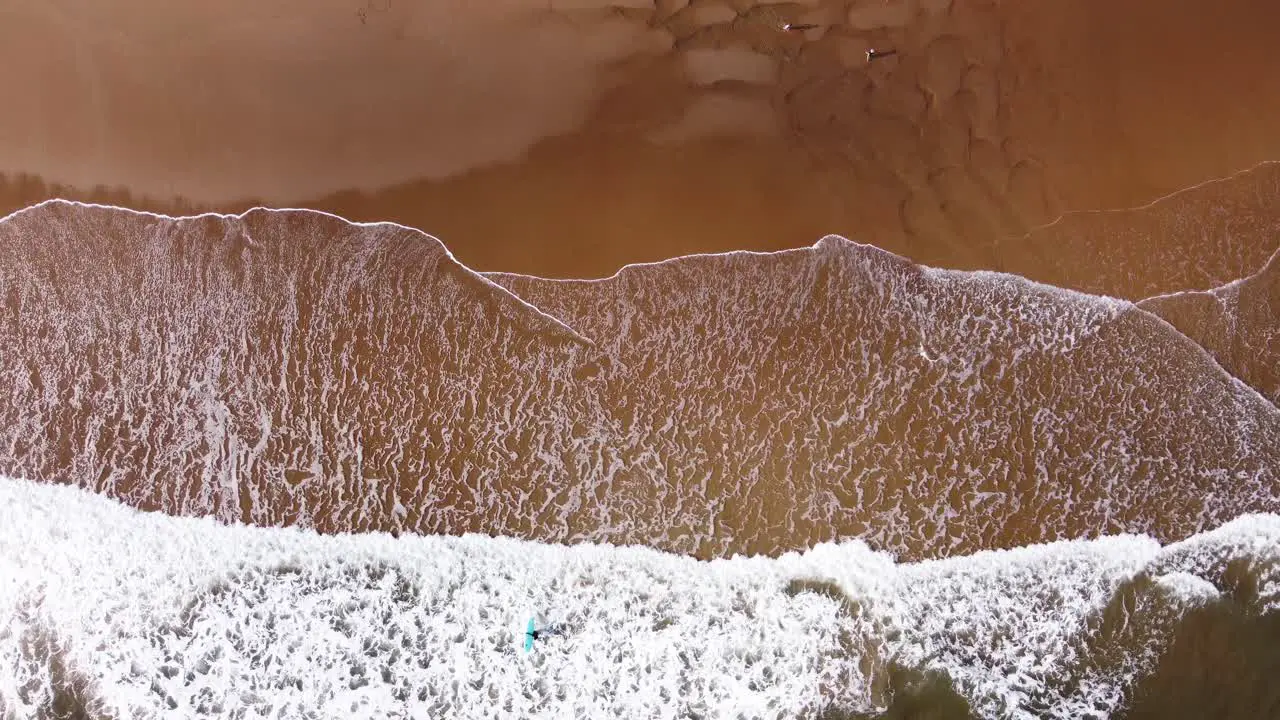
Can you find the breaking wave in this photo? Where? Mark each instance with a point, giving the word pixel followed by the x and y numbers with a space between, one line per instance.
pixel 116 613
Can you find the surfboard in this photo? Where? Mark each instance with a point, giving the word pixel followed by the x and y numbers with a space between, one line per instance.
pixel 528 636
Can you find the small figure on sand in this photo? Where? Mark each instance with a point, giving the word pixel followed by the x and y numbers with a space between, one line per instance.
pixel 873 53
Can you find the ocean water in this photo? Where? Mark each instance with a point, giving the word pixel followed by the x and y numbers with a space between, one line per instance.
pixel 282 465
pixel 115 613
pixel 288 367
pixel 1235 322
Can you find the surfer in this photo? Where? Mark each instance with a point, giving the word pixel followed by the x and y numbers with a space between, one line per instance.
pixel 873 53
pixel 533 632
pixel 798 27
pixel 548 631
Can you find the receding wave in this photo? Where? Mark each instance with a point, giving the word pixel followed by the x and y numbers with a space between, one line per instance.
pixel 288 367
pixel 1238 323
pixel 1197 238
pixel 112 613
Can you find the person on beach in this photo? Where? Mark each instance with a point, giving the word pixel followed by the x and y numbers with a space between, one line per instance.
pixel 872 54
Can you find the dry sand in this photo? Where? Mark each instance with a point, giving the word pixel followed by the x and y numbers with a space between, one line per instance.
pixel 569 137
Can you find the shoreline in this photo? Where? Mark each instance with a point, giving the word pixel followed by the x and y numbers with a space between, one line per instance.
pixel 572 143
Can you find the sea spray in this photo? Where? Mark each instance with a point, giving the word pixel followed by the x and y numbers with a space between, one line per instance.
pixel 144 615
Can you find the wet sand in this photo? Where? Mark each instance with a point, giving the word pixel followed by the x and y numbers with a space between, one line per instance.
pixel 566 140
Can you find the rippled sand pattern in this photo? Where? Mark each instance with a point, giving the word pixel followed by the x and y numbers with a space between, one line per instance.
pixel 289 367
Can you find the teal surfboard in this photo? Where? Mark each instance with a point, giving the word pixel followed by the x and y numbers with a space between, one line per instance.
pixel 528 636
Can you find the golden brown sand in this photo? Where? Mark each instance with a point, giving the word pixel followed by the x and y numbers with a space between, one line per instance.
pixel 1053 140
pixel 566 138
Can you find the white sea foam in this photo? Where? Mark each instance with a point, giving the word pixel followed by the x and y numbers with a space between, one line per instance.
pixel 288 367
pixel 179 617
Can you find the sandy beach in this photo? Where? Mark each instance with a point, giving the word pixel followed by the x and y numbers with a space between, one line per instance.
pixel 566 139
pixel 840 357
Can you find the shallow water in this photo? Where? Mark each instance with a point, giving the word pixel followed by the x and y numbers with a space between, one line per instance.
pixel 288 367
